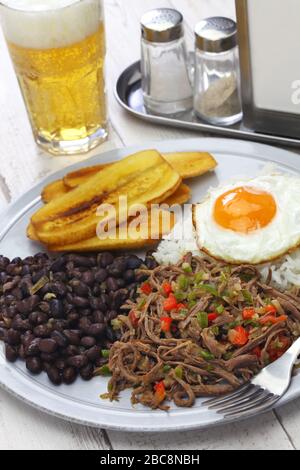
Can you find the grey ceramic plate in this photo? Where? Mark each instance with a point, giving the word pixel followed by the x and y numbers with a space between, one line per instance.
pixel 80 402
pixel 129 94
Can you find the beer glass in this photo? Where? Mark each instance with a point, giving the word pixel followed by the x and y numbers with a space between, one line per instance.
pixel 58 51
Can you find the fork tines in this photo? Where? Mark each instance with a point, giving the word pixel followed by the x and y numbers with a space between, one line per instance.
pixel 246 400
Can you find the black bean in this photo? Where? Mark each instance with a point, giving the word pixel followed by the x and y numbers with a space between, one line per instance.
pixel 87 372
pixel 101 275
pixel 27 337
pixel 10 353
pixel 17 293
pixel 81 261
pixel 47 346
pixel 60 325
pixel 110 334
pixel 100 361
pixel 27 305
pixel 54 375
pixel 84 323
pixel 13 337
pixel 85 312
pixel 88 342
pixel 73 336
pixel 98 316
pixel 49 358
pixel 58 264
pixel 4 261
pixel 60 364
pixel 93 353
pixel 59 289
pixel 116 269
pixel 44 307
pixel 8 299
pixel 73 317
pixel 88 278
pixel 151 262
pixel 96 303
pixel 79 288
pixel 69 375
pixel 133 262
pixel 13 269
pixel 34 365
pixel 2 333
pixel 96 330
pixel 72 350
pixel 112 284
pixel 60 339
pixel 42 331
pixel 56 308
pixel 121 283
pixel 32 348
pixel 78 361
pixel 20 325
pixel 80 302
pixel 105 259
pixel 140 276
pixel 21 351
pixel 96 290
pixel 129 275
pixel 111 315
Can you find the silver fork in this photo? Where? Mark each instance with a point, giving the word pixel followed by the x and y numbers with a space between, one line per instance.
pixel 262 392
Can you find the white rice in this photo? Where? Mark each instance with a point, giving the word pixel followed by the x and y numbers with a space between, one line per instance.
pixel 286 272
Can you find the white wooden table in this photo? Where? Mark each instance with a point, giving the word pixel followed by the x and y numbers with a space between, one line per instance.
pixel 22 165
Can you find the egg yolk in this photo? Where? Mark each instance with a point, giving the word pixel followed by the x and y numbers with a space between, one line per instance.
pixel 245 209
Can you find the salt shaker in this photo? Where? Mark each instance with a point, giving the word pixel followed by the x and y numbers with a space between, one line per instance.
pixel 217 90
pixel 166 83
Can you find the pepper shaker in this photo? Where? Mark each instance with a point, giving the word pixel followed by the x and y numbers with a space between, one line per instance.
pixel 166 83
pixel 217 89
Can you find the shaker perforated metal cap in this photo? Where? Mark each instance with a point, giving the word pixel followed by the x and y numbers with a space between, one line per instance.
pixel 216 34
pixel 162 25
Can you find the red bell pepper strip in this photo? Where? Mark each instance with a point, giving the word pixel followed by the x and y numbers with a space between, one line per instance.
pixel 146 288
pixel 238 336
pixel 248 313
pixel 167 288
pixel 257 352
pixel 212 317
pixel 134 319
pixel 272 319
pixel 271 309
pixel 166 323
pixel 160 392
pixel 170 303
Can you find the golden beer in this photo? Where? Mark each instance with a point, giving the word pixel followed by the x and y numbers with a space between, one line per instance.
pixel 63 86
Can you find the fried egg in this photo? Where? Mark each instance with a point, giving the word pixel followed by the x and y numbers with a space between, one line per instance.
pixel 250 221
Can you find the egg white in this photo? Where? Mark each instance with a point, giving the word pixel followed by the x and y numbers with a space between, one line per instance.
pixel 276 239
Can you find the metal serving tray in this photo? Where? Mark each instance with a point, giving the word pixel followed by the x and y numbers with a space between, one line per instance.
pixel 128 93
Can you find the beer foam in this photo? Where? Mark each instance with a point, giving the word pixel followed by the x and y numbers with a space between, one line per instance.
pixel 45 24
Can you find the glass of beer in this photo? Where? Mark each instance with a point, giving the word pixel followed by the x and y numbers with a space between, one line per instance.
pixel 58 51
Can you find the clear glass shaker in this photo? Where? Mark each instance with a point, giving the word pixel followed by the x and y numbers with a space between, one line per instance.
pixel 217 87
pixel 166 83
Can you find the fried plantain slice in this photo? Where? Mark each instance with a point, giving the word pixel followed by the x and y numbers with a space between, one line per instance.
pixel 191 164
pixel 53 190
pixel 181 196
pixel 145 178
pixel 101 184
pixel 31 233
pixel 160 223
pixel 187 164
pixel 77 177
